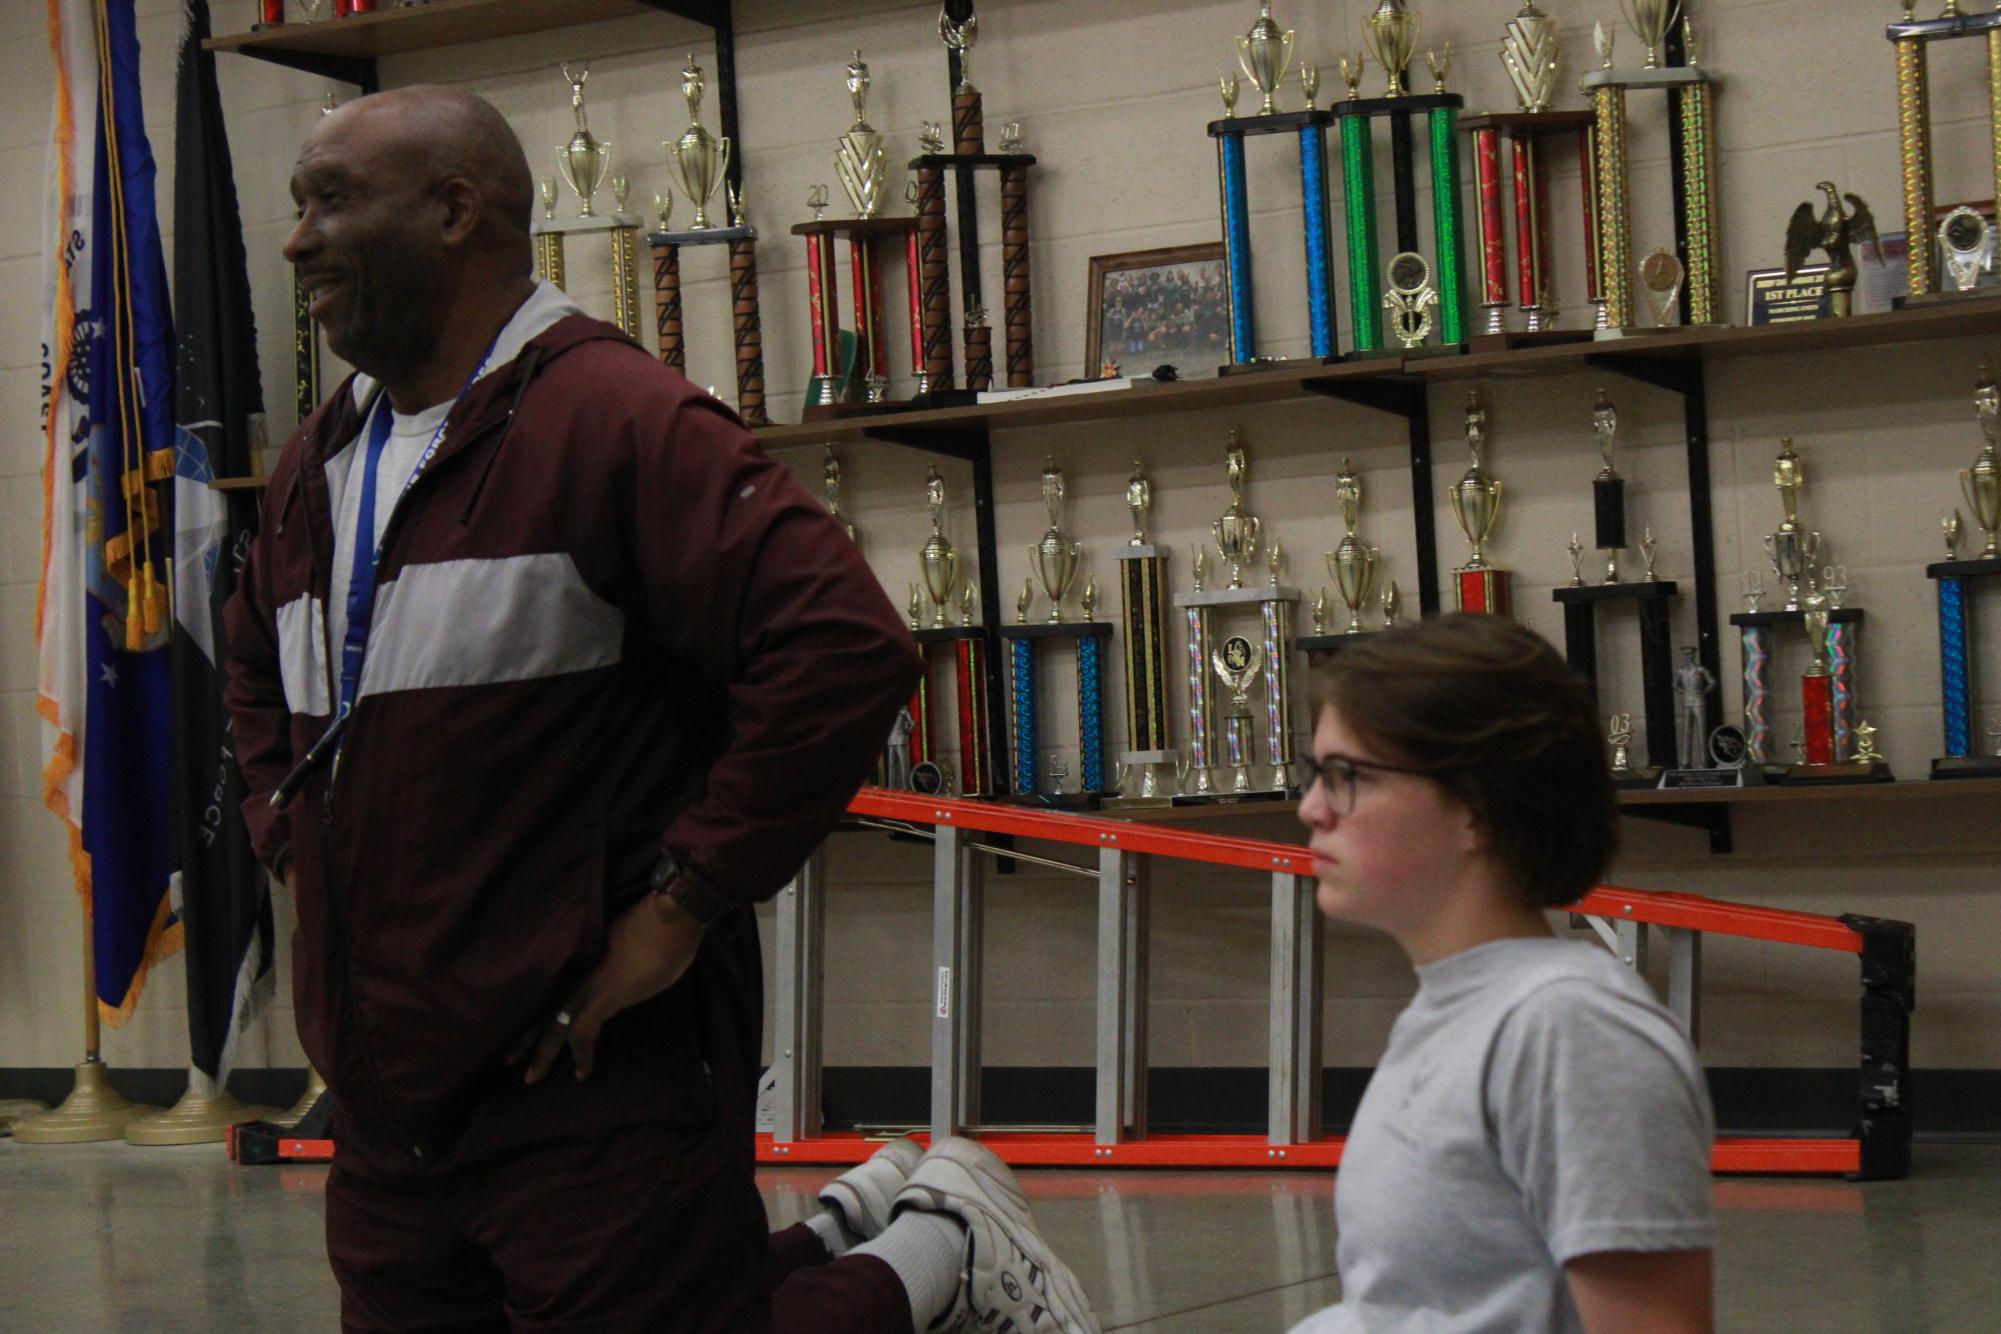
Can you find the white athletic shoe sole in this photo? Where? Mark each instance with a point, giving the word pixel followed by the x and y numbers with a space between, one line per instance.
pixel 1011 1282
pixel 866 1195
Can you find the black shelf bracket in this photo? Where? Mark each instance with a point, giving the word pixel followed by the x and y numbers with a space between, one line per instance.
pixel 971 445
pixel 1399 396
pixel 1670 373
pixel 1406 397
pixel 1712 817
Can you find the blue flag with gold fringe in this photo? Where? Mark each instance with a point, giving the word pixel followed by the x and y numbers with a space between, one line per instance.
pixel 104 616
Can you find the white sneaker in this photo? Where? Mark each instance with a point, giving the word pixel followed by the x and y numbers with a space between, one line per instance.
pixel 866 1194
pixel 1011 1283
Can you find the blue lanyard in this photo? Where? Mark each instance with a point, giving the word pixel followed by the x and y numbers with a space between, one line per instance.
pixel 368 551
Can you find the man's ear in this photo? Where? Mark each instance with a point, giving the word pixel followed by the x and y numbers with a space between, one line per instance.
pixel 463 209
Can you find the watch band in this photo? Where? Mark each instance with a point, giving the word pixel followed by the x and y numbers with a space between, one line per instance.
pixel 689 891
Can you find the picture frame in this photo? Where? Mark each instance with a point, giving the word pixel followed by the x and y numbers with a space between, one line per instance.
pixel 1165 306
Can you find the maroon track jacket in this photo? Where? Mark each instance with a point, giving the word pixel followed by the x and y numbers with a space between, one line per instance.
pixel 605 624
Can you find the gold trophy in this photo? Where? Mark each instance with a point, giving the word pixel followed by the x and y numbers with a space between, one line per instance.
pixel 699 159
pixel 1476 504
pixel 1981 484
pixel 1651 19
pixel 1266 54
pixel 1055 556
pixel 1352 564
pixel 1391 32
pixel 584 158
pixel 939 562
pixel 1237 662
pixel 859 159
pixel 1530 53
pixel 830 475
pixel 1793 549
pixel 1237 530
pixel 960 37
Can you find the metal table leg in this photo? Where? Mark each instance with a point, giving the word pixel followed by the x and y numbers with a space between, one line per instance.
pixel 799 971
pixel 956 894
pixel 1294 1110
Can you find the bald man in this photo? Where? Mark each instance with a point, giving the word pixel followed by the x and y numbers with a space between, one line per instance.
pixel 542 676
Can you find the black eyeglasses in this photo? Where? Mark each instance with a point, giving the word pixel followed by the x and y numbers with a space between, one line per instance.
pixel 1338 773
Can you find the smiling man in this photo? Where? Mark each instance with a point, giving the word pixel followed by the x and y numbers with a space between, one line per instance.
pixel 542 676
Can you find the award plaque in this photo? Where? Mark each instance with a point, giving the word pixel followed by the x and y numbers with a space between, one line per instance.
pixel 1980 486
pixel 1912 39
pixel 1231 772
pixel 1265 55
pixel 1772 296
pixel 1529 50
pixel 1691 91
pixel 1055 559
pixel 1479 585
pixel 1729 765
pixel 1391 32
pixel 938 562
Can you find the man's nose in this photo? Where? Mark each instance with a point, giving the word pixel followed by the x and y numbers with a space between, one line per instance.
pixel 301 241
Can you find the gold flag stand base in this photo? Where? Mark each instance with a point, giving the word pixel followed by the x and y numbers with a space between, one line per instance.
pixel 195 1120
pixel 13 1109
pixel 93 1111
pixel 316 1088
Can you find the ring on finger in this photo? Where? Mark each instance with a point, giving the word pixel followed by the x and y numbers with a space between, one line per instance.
pixel 563 1019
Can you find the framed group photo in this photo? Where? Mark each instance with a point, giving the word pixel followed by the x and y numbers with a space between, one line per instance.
pixel 1150 308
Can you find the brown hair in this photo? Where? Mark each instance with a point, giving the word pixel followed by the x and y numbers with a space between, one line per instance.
pixel 1487 709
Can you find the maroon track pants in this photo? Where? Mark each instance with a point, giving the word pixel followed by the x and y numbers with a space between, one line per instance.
pixel 592 1236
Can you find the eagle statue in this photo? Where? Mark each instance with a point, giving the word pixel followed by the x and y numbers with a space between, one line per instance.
pixel 1835 231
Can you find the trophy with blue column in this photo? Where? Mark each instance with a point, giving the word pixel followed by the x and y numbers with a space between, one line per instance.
pixel 1391 33
pixel 1981 487
pixel 1265 54
pixel 1055 559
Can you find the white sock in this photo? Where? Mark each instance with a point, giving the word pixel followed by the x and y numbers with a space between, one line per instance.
pixel 927 1251
pixel 831 1227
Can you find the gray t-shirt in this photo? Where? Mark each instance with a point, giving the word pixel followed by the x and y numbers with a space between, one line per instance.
pixel 1536 1104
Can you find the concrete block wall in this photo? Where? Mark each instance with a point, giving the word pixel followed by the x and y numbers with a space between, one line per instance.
pixel 1112 98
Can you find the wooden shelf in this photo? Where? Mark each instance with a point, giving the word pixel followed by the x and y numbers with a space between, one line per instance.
pixel 1145 400
pixel 348 48
pixel 1975 317
pixel 1909 789
pixel 1918 789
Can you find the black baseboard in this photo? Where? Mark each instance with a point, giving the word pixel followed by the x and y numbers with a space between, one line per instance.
pixel 1750 1100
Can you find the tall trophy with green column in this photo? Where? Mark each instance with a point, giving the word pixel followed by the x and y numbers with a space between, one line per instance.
pixel 1391 33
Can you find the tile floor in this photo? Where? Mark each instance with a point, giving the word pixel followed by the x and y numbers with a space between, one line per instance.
pixel 106 1237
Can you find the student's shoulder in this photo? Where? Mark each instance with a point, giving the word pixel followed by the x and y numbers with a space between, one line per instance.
pixel 1581 999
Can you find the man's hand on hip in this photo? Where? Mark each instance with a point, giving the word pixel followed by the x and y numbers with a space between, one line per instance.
pixel 651 945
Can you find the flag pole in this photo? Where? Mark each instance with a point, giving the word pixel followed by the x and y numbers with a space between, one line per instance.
pixel 93 1110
